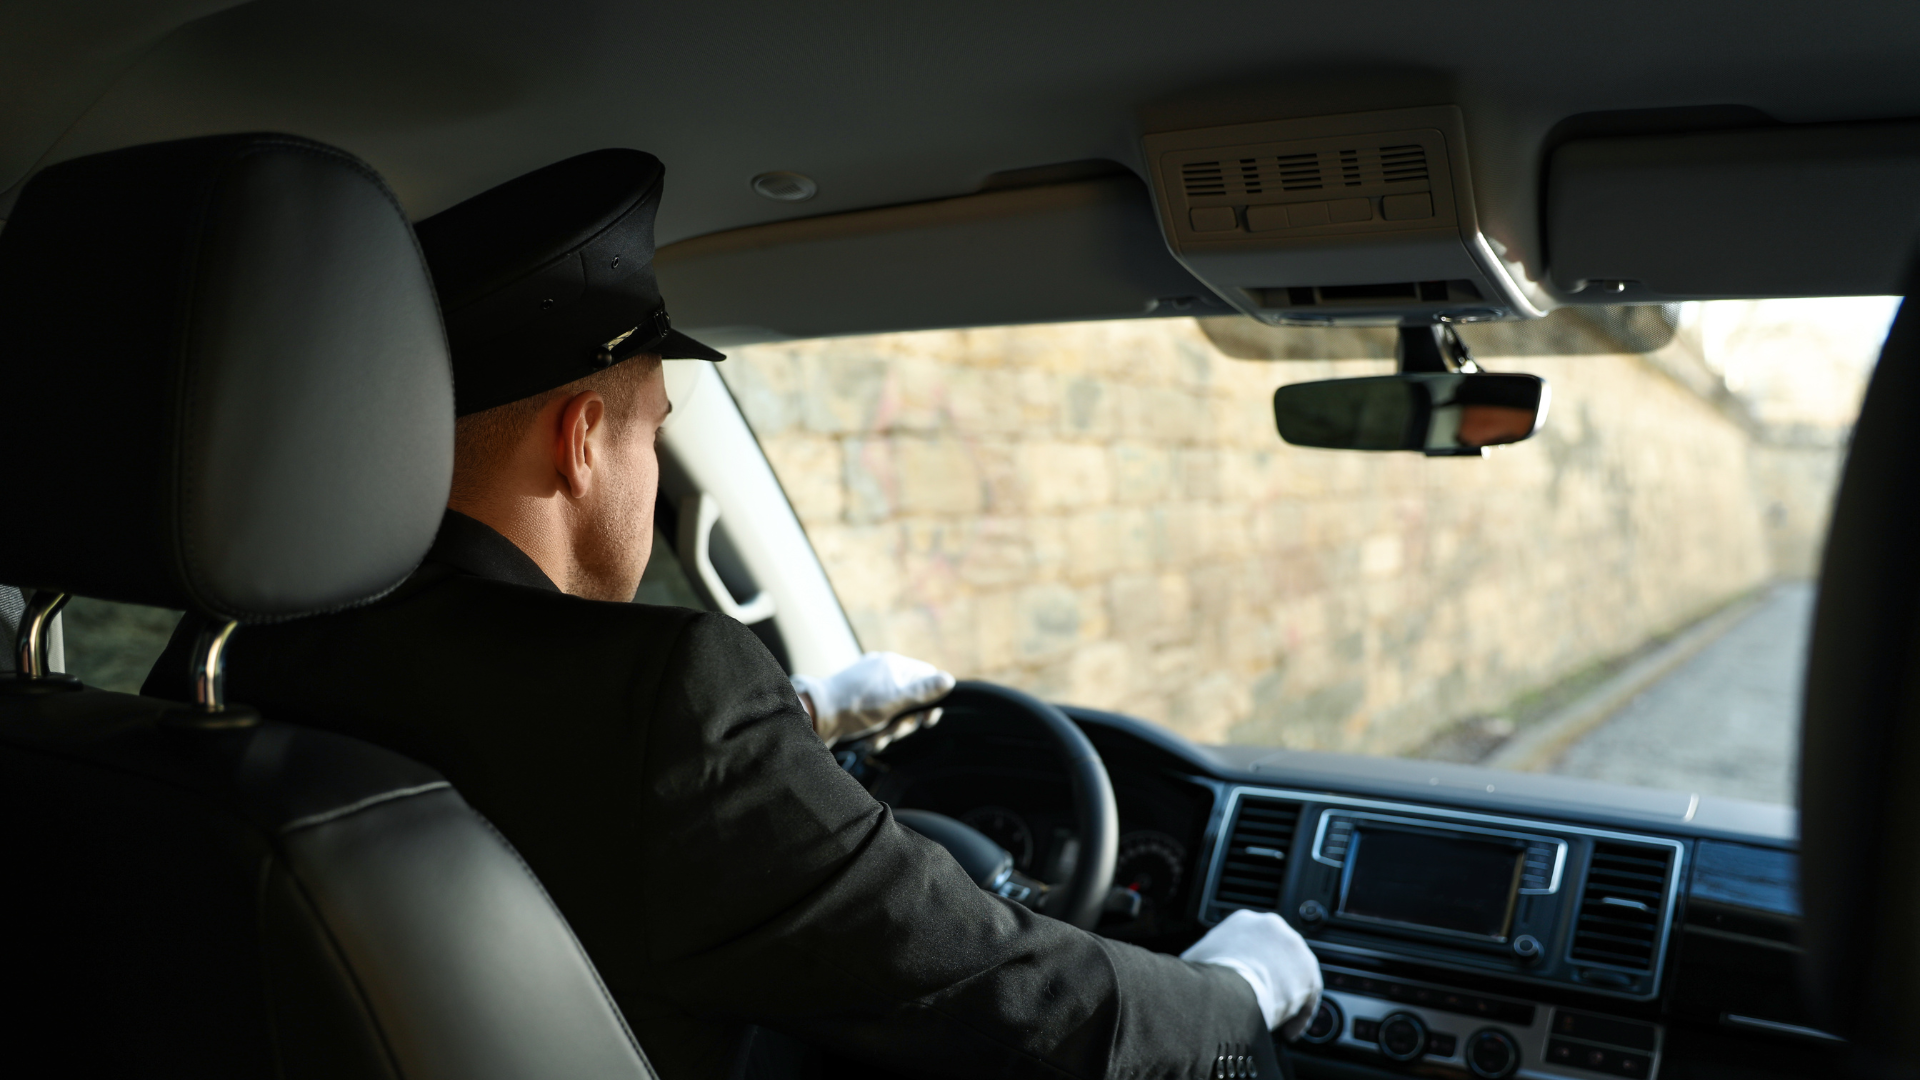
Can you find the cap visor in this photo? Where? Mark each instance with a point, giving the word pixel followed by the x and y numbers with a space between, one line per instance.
pixel 678 346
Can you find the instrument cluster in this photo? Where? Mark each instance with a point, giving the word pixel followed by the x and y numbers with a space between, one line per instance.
pixel 1023 805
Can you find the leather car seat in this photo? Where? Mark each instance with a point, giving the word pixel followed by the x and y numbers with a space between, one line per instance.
pixel 227 357
pixel 12 606
pixel 1860 751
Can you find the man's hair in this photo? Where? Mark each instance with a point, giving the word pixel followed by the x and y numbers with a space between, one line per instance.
pixel 482 440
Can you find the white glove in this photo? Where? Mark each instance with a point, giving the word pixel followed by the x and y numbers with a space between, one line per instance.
pixel 865 697
pixel 1273 958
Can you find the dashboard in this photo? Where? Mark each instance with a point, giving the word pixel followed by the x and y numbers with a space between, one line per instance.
pixel 1468 922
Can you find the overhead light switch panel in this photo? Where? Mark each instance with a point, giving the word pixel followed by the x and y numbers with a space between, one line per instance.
pixel 1333 219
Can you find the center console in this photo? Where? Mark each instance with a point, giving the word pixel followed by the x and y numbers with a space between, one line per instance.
pixel 1502 901
pixel 1407 1022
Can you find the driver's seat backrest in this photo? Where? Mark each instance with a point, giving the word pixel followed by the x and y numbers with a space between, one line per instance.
pixel 252 421
pixel 272 902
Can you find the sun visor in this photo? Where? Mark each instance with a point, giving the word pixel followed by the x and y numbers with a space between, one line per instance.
pixel 1048 253
pixel 1359 219
pixel 1811 210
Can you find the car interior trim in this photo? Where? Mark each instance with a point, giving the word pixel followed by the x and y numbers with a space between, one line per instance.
pixel 715 454
pixel 1776 1027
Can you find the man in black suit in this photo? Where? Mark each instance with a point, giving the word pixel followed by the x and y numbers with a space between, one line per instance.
pixel 654 765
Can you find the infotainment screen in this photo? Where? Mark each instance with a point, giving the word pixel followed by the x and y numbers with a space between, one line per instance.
pixel 1446 881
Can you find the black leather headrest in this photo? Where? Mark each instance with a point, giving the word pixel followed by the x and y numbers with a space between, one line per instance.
pixel 228 380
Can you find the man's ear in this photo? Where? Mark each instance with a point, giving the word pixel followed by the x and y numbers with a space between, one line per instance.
pixel 577 437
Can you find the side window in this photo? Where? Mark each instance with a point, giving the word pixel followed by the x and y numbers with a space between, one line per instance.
pixel 106 645
pixel 665 581
pixel 686 528
pixel 113 646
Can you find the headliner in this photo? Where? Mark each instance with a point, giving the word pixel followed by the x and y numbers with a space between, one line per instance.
pixel 885 103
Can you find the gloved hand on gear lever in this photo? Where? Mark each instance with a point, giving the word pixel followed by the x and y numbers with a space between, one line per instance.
pixel 1274 959
pixel 874 697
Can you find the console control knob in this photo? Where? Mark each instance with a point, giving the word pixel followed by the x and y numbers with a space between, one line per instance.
pixel 1403 1036
pixel 1492 1053
pixel 1313 913
pixel 1327 1024
pixel 1527 947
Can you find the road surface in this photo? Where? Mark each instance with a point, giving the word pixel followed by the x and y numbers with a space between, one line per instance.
pixel 1727 722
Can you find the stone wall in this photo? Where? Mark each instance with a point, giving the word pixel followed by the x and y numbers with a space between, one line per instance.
pixel 1794 482
pixel 1102 514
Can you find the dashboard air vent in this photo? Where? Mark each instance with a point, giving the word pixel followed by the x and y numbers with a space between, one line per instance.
pixel 1621 906
pixel 1256 858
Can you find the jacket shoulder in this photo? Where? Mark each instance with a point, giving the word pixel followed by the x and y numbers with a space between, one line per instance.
pixel 556 617
pixel 683 645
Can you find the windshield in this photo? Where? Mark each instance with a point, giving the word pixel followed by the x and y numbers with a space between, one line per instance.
pixel 1104 515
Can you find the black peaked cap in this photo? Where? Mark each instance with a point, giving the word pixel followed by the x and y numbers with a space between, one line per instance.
pixel 549 278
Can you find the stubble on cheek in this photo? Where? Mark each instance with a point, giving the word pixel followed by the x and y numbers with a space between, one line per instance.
pixel 623 536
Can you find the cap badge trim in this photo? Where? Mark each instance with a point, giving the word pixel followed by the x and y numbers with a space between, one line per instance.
pixel 605 355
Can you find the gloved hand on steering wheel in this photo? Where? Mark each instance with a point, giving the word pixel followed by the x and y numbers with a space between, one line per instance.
pixel 868 697
pixel 1274 959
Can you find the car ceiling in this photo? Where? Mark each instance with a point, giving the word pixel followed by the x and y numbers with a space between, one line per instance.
pixel 887 104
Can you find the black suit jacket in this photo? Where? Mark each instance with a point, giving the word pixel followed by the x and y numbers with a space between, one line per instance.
pixel 656 770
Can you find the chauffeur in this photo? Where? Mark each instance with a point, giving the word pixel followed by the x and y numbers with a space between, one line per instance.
pixel 653 765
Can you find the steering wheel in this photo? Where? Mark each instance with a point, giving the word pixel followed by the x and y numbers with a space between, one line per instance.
pixel 1079 899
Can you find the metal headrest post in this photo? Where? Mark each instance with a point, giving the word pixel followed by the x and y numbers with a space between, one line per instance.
pixel 30 644
pixel 210 666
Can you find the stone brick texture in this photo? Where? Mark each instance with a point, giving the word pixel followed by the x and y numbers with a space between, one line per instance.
pixel 1102 514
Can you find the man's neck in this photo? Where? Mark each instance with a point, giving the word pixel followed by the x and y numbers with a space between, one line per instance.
pixel 536 528
pixel 473 547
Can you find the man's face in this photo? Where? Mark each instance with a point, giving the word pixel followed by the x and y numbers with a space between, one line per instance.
pixel 619 537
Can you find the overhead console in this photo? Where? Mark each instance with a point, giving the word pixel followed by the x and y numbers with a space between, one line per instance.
pixel 1498 901
pixel 1359 219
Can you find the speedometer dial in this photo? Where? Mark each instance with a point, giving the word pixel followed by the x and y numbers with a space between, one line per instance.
pixel 1153 865
pixel 1004 827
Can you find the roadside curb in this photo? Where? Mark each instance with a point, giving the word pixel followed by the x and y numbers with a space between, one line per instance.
pixel 1540 745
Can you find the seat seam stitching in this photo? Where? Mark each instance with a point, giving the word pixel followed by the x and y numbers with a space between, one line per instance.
pixel 338 812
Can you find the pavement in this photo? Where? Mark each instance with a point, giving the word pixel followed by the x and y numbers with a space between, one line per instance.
pixel 1725 722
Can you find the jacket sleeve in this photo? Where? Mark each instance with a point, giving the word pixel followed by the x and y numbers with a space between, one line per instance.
pixel 802 905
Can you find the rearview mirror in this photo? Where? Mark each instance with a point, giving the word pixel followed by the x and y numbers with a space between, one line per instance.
pixel 1452 414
